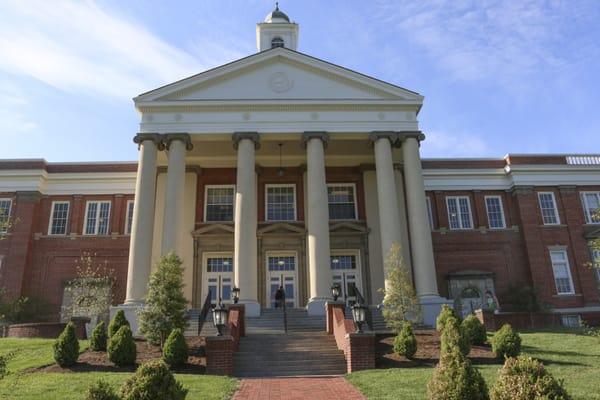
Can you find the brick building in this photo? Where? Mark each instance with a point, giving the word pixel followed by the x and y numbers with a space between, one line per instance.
pixel 283 169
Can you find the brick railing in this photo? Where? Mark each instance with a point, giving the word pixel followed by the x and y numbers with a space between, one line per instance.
pixel 358 348
pixel 220 349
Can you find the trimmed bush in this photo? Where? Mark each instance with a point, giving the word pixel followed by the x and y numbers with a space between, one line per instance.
pixel 66 347
pixel 151 381
pixel 175 351
pixel 474 330
pixel 453 336
pixel 405 343
pixel 121 347
pixel 455 378
pixel 525 378
pixel 117 322
pixel 506 342
pixel 101 390
pixel 99 337
pixel 446 313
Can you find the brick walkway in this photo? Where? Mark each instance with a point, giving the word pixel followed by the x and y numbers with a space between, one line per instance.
pixel 313 388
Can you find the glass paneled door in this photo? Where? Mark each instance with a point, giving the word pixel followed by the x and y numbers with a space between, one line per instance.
pixel 281 271
pixel 219 277
pixel 345 272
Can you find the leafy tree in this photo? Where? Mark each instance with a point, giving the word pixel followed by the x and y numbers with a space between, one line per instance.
pixel 153 380
pixel 400 302
pixel 446 313
pixel 121 347
pixel 454 336
pixel 22 309
pixel 474 330
pixel 66 347
pixel 99 337
pixel 175 352
pixel 506 342
pixel 405 342
pixel 117 322
pixel 165 304
pixel 595 243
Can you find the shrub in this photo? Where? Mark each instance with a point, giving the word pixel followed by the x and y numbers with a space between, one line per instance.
pixel 175 351
pixel 151 381
pixel 101 390
pixel 453 336
pixel 525 378
pixel 405 343
pixel 506 342
pixel 455 378
pixel 474 330
pixel 99 337
pixel 117 322
pixel 121 347
pixel 66 347
pixel 2 366
pixel 446 313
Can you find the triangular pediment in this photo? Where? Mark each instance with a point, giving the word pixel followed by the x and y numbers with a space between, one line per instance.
pixel 279 74
pixel 214 229
pixel 348 227
pixel 281 228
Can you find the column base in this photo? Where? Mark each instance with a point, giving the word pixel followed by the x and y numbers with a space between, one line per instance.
pixel 317 306
pixel 130 310
pixel 431 307
pixel 252 308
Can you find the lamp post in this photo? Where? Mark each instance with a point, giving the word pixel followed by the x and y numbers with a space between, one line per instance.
pixel 236 294
pixel 220 317
pixel 359 315
pixel 335 291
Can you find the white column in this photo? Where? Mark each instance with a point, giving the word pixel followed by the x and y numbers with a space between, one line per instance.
pixel 177 144
pixel 387 195
pixel 140 248
pixel 317 223
pixel 245 242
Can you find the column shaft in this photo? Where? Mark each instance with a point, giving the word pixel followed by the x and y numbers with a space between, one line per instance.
pixel 174 193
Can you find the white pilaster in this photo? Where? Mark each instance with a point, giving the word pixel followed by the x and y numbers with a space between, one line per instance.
pixel 317 223
pixel 246 215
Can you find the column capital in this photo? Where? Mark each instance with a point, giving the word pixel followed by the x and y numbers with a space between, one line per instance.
pixel 307 135
pixel 403 135
pixel 184 137
pixel 154 137
pixel 239 136
pixel 376 135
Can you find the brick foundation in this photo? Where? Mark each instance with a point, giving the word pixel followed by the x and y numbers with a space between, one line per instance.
pixel 219 355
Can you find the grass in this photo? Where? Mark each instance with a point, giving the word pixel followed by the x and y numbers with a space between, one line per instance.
pixel 567 355
pixel 22 384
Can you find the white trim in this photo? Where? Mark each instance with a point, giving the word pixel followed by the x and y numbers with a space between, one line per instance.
pixel 348 184
pixel 562 250
pixel 128 214
pixel 269 274
pixel 556 214
pixel 351 252
pixel 487 211
pixel 206 187
pixel 587 211
pixel 97 217
pixel 8 214
pixel 429 212
pixel 460 222
pixel 275 185
pixel 215 254
pixel 50 223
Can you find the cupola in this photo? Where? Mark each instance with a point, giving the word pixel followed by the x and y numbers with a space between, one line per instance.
pixel 276 31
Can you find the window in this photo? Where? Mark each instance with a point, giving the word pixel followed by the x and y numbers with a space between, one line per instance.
pixel 59 217
pixel 571 320
pixel 591 205
pixel 277 42
pixel 495 212
pixel 343 261
pixel 429 213
pixel 562 272
pixel 282 263
pixel 219 264
pixel 5 208
pixel 281 202
pixel 129 217
pixel 219 203
pixel 97 216
pixel 548 208
pixel 459 212
pixel 342 201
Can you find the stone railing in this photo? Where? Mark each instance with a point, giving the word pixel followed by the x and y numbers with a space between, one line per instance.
pixel 583 159
pixel 220 349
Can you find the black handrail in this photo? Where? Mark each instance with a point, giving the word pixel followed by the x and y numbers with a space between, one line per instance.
pixel 285 329
pixel 204 312
pixel 361 300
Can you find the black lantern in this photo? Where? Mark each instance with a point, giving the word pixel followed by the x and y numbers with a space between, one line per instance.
pixel 359 315
pixel 335 291
pixel 220 317
pixel 236 294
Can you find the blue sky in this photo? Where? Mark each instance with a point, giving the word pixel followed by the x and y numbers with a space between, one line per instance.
pixel 498 77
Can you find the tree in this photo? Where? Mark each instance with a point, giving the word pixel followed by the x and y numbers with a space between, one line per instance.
pixel 117 322
pixel 400 302
pixel 165 304
pixel 595 243
pixel 66 347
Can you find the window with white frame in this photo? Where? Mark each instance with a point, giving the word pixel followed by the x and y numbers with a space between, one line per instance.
pixel 562 272
pixel 59 217
pixel 495 212
pixel 429 213
pixel 342 201
pixel 5 209
pixel 591 206
pixel 571 320
pixel 280 202
pixel 548 208
pixel 218 204
pixel 97 216
pixel 459 212
pixel 129 217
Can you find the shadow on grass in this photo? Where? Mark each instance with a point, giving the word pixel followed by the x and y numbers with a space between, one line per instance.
pixel 532 349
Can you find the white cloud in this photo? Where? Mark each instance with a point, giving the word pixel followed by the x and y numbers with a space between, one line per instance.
pixel 443 144
pixel 13 114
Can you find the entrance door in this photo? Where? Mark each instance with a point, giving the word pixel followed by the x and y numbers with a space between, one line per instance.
pixel 281 271
pixel 346 273
pixel 219 277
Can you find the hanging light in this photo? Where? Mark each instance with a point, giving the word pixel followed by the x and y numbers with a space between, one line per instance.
pixel 280 171
pixel 359 315
pixel 335 291
pixel 236 294
pixel 220 317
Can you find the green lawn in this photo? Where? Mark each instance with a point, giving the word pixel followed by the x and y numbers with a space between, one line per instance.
pixel 569 356
pixel 31 353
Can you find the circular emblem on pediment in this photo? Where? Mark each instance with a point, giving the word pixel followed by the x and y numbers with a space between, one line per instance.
pixel 280 82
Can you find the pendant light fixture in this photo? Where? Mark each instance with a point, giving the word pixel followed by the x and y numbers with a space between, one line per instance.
pixel 280 171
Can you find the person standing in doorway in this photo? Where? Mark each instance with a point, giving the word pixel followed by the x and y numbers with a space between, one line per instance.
pixel 279 295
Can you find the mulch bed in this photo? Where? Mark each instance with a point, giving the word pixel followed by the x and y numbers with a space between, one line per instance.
pixel 97 361
pixel 428 352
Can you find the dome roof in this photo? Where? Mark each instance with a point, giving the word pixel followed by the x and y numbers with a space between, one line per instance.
pixel 277 16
